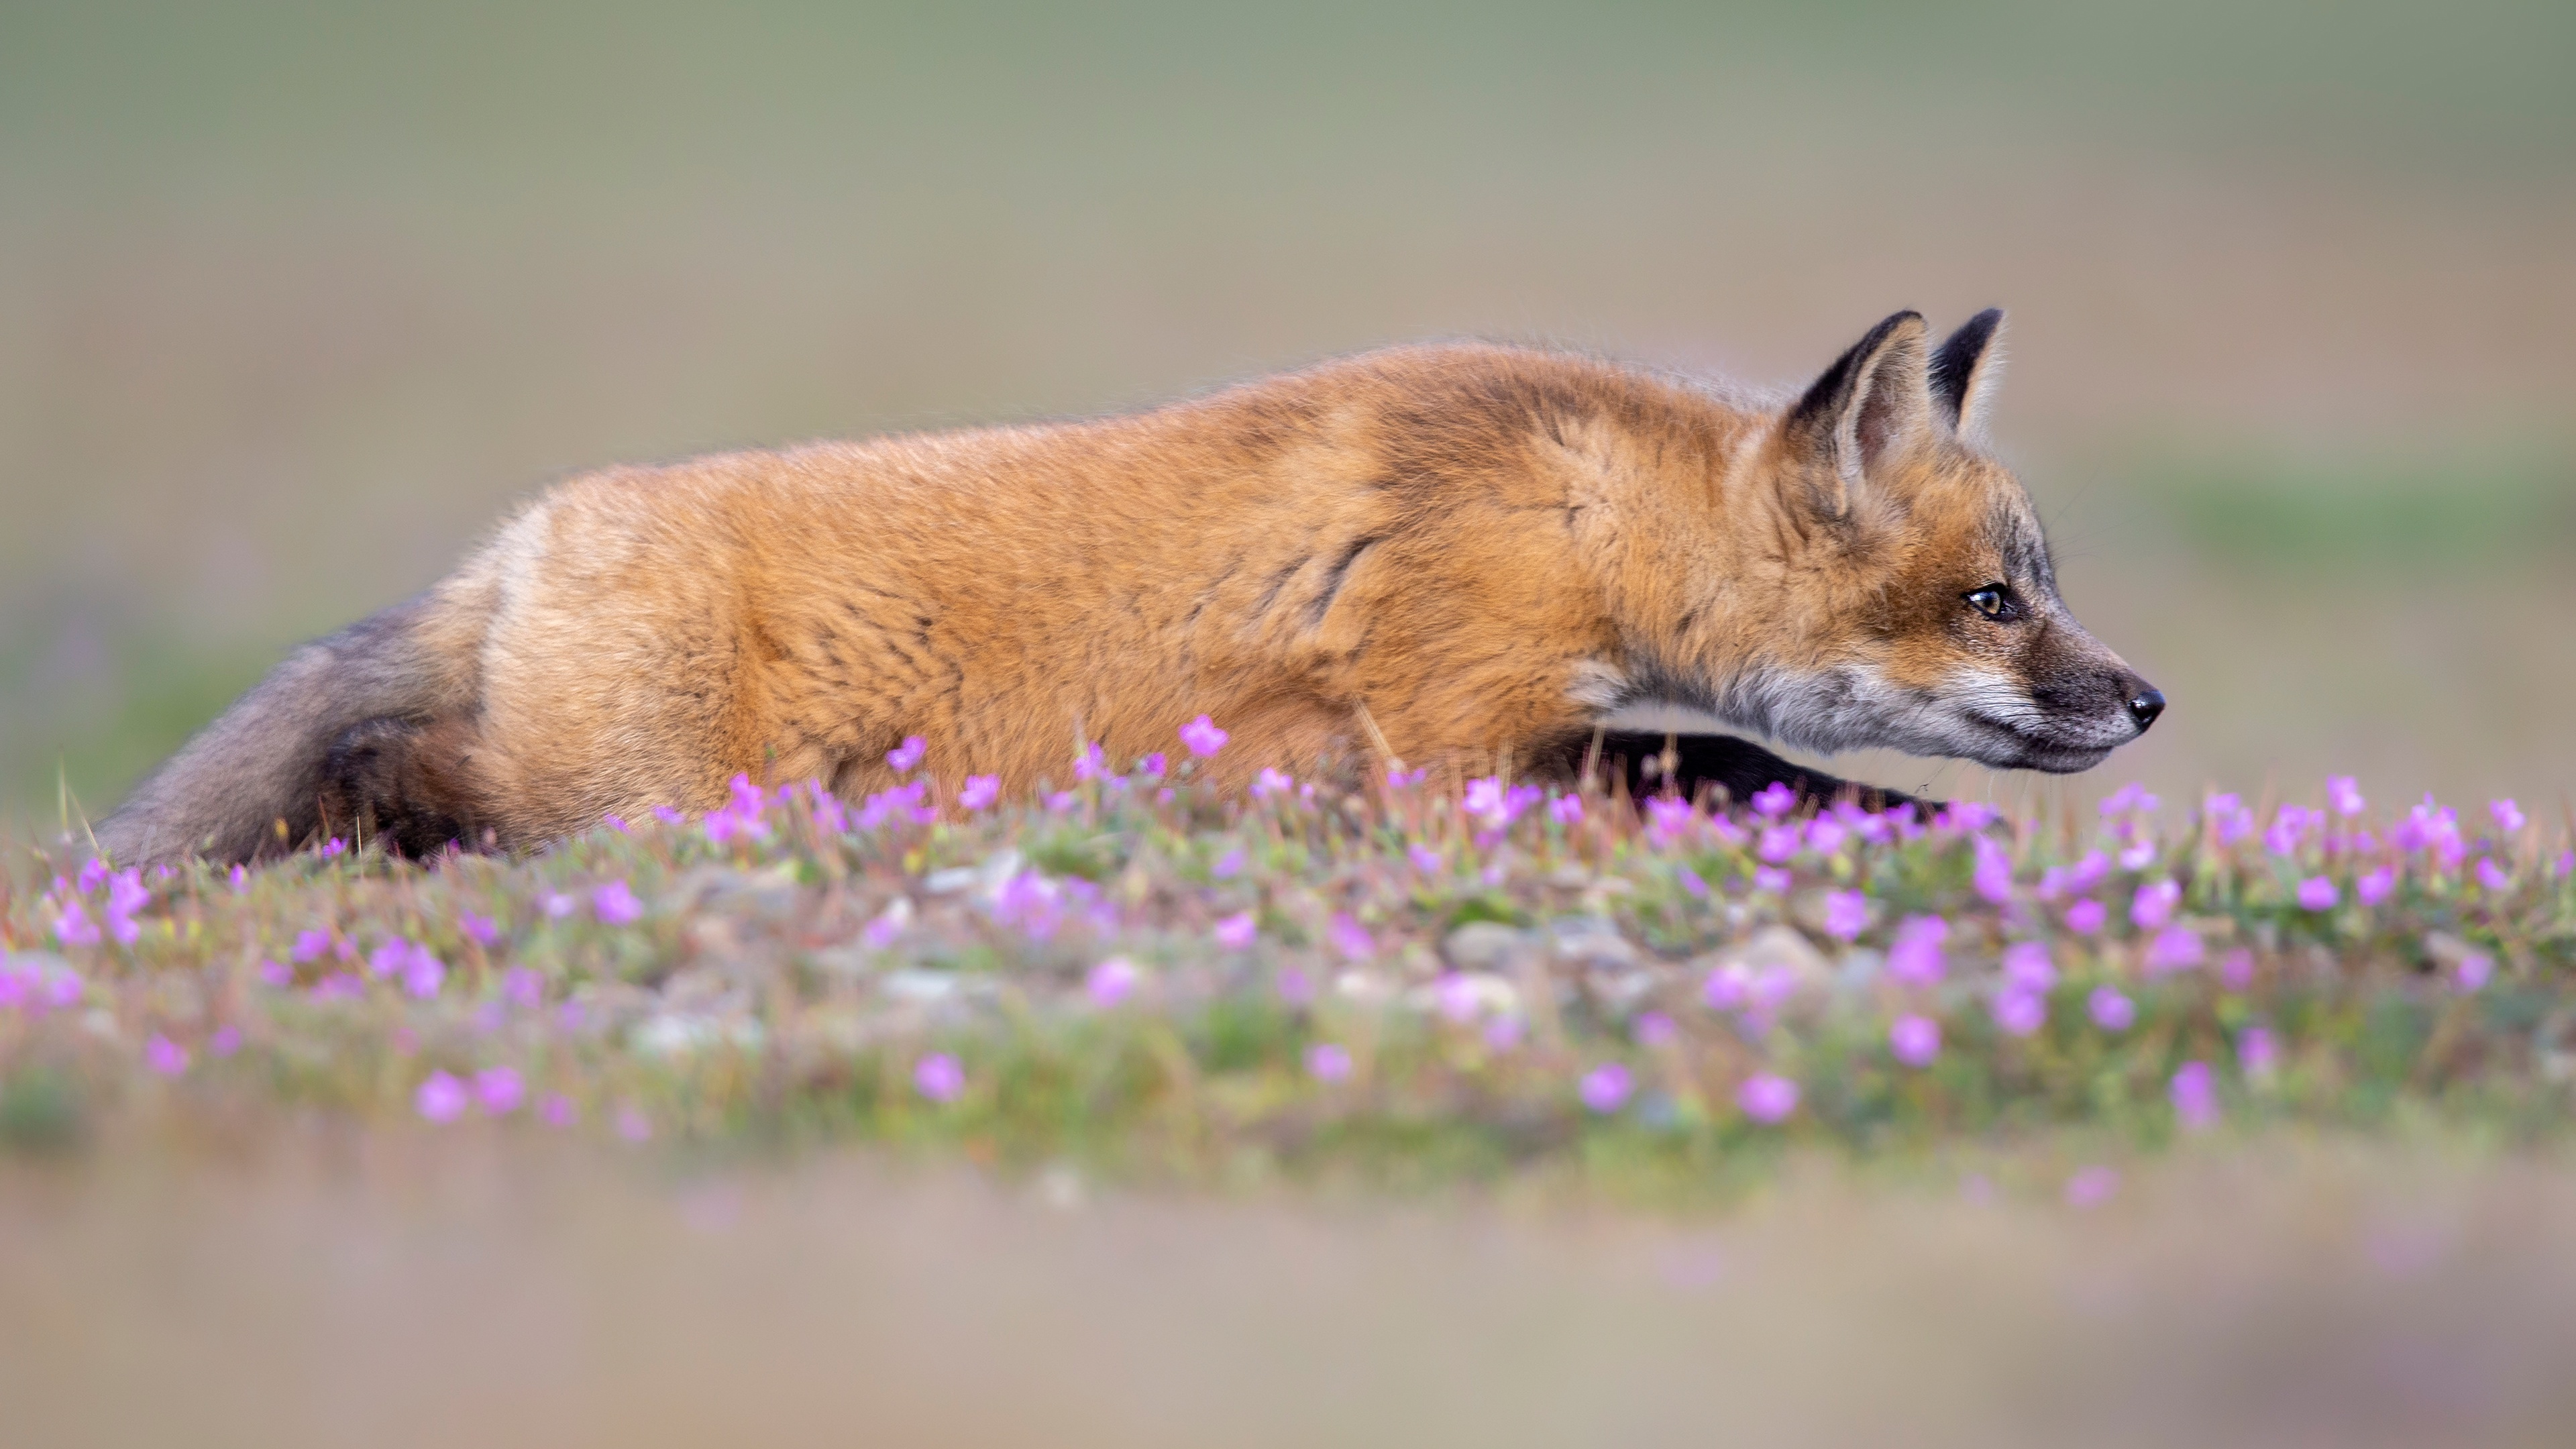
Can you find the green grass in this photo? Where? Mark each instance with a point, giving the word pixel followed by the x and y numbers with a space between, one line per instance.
pixel 787 990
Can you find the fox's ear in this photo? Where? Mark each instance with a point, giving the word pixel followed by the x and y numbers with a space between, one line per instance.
pixel 1871 405
pixel 1964 373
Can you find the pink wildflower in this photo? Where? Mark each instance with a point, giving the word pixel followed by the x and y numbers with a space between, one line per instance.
pixel 2507 815
pixel 2026 965
pixel 164 1056
pixel 2256 1053
pixel 1915 1040
pixel 441 1098
pixel 1272 782
pixel 557 1110
pixel 1994 874
pixel 2085 917
pixel 1825 835
pixel 1691 880
pixel 2493 876
pixel 1237 931
pixel 2090 1187
pixel 1772 879
pixel 2318 893
pixel 2111 1009
pixel 1203 737
pixel 939 1077
pixel 73 927
pixel 1566 809
pixel 499 1090
pixel 1653 1029
pixel 1846 914
pixel 1767 1098
pixel 2236 969
pixel 225 1041
pixel 2154 903
pixel 2194 1092
pixel 1351 938
pixel 1228 865
pixel 615 904
pixel 2375 886
pixel 482 930
pixel 1328 1061
pixel 2019 1011
pixel 905 758
pixel 1112 981
pixel 980 791
pixel 1916 957
pixel 276 973
pixel 334 846
pixel 2344 794
pixel 522 987
pixel 1606 1087
pixel 2473 972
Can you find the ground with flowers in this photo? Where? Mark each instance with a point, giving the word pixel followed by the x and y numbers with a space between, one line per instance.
pixel 1405 979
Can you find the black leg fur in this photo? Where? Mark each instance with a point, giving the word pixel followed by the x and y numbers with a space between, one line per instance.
pixel 381 782
pixel 1738 768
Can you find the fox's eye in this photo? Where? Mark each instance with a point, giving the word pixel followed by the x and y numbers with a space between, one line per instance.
pixel 1995 601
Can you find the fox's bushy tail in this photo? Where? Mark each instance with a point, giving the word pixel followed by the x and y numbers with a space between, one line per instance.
pixel 271 757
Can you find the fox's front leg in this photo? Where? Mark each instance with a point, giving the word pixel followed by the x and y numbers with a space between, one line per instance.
pixel 1739 767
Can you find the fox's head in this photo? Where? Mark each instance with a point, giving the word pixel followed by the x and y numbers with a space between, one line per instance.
pixel 1916 607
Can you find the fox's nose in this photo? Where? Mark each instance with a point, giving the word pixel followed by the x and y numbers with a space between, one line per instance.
pixel 2145 705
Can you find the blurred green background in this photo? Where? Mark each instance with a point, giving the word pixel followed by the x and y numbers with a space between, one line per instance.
pixel 295 298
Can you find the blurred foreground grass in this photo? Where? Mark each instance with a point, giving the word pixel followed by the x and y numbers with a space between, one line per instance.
pixel 1408 981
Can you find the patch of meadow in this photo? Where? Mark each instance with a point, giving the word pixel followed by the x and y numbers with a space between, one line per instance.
pixel 1433 978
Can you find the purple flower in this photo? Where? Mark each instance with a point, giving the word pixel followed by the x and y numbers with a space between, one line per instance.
pixel 1228 865
pixel 1994 875
pixel 556 1110
pixel 669 816
pixel 2288 828
pixel 2345 796
pixel 73 927
pixel 2375 886
pixel 614 822
pixel 2229 820
pixel 2154 903
pixel 1916 958
pixel 1272 782
pixel 93 874
pixel 2256 1053
pixel 2473 971
pixel 499 1090
pixel 2128 798
pixel 1203 737
pixel 2091 1187
pixel 2111 1010
pixel 1502 1033
pixel 905 758
pixel 333 846
pixel 1668 818
pixel 980 792
pixel 1606 1087
pixel 1772 879
pixel 240 878
pixel 1294 987
pixel 2507 815
pixel 423 973
pixel 1351 938
pixel 441 1098
pixel 1091 762
pixel 1691 881
pixel 225 1041
pixel 1915 1040
pixel 1767 1098
pixel 1328 1061
pixel 615 904
pixel 1566 809
pixel 1425 859
pixel 2194 1092
pixel 1774 800
pixel 557 904
pixel 2085 917
pixel 2175 948
pixel 522 987
pixel 1846 914
pixel 2026 965
pixel 2019 1011
pixel 2493 876
pixel 164 1056
pixel 1237 931
pixel 2236 969
pixel 1825 834
pixel 2318 893
pixel 1653 1029
pixel 309 945
pixel 1111 981
pixel 480 929
pixel 939 1077
pixel 1779 844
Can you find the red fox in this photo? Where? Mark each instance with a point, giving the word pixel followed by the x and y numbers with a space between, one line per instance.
pixel 1461 551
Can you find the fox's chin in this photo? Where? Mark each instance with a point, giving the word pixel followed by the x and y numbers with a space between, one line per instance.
pixel 2002 747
